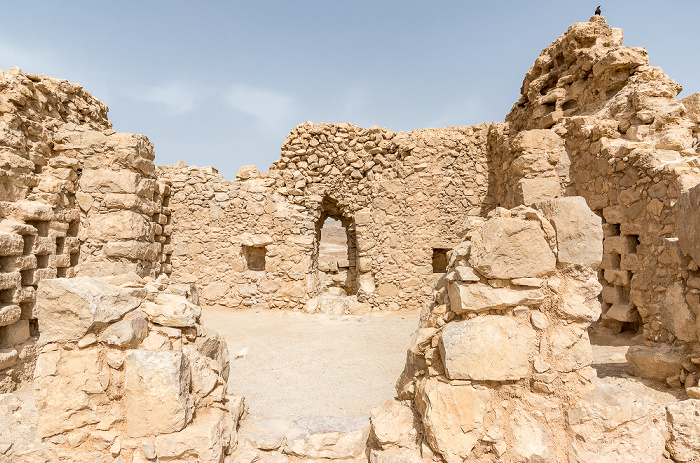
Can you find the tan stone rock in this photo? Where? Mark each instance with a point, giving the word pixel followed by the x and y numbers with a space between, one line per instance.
pixel 125 333
pixel 465 298
pixel 511 248
pixel 656 363
pixel 684 441
pixel 533 190
pixel 156 392
pixel 569 347
pixel 205 440
pixel 327 437
pixel 68 308
pixel 607 425
pixel 579 230
pixel 578 296
pixel 392 424
pixel 171 310
pixel 8 358
pixel 453 417
pixel 70 388
pixel 395 455
pixel 9 314
pixel 487 348
pixel 531 438
pixel 14 334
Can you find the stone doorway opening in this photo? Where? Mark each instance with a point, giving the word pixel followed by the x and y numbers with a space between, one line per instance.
pixel 335 252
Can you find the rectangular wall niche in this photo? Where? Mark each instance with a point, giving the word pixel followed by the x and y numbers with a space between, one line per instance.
pixel 440 260
pixel 254 257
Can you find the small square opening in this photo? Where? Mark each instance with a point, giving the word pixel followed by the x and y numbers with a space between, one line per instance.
pixel 440 260
pixel 254 257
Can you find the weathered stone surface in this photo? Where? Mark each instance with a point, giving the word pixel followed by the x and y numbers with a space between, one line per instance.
pixel 614 425
pixel 511 248
pixel 579 296
pixel 14 334
pixel 569 347
pixel 156 392
pixel 172 310
pixel 533 190
pixel 9 314
pixel 488 348
pixel 677 316
pixel 205 440
pixel 579 230
pixel 8 357
pixel 266 434
pixel 684 426
pixel 327 437
pixel 125 333
pixel 479 296
pixel 70 388
pixel 68 308
pixel 453 417
pixel 656 363
pixel 11 244
pixel 392 424
pixel 531 438
pixel 687 222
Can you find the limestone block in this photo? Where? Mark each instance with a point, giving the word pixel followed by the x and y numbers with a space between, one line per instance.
pixel 506 248
pixel 27 210
pixel 488 348
pixel 676 315
pixel 654 362
pixel 684 441
pixel 579 230
pixel 533 190
pixel 477 297
pixel 9 314
pixel 203 370
pixel 531 439
pixel 156 393
pixel 70 389
pixel 392 424
pixel 67 308
pixel 265 434
pixel 212 345
pixel 615 425
pixel 578 296
pixel 8 358
pixel 453 417
pixel 125 333
pixel 14 334
pixel 110 181
pixel 247 172
pixel 172 310
pixel 11 244
pixel 205 440
pixel 328 437
pixel 120 225
pixel 132 250
pixel 569 347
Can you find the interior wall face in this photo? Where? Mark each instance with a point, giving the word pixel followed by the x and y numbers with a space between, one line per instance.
pixel 400 194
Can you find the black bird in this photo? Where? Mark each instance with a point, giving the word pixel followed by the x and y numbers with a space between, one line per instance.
pixel 597 11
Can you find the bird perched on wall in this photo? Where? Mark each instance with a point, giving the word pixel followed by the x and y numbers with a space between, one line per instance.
pixel 597 11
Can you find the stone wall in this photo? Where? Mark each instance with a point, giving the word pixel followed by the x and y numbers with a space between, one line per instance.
pixel 76 198
pixel 401 196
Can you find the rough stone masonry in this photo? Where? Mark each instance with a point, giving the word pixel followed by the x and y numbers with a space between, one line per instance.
pixel 513 237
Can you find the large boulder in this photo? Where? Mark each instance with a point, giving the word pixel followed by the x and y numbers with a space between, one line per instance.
pixel 654 362
pixel 487 348
pixel 579 230
pixel 453 417
pixel 392 424
pixel 67 308
pixel 506 248
pixel 157 398
pixel 328 437
pixel 616 425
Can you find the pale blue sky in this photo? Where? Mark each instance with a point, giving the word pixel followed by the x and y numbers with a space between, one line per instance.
pixel 222 82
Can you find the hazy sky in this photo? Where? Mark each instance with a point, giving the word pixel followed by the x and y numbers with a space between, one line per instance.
pixel 222 82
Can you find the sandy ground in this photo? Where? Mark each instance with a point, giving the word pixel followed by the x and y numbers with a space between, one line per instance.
pixel 300 365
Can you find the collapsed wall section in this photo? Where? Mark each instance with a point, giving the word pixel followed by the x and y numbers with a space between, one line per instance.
pixel 404 197
pixel 596 120
pixel 65 172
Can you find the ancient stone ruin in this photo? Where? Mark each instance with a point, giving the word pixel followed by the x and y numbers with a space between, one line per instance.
pixel 512 238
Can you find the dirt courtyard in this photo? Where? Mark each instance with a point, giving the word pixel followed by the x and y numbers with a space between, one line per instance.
pixel 300 365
